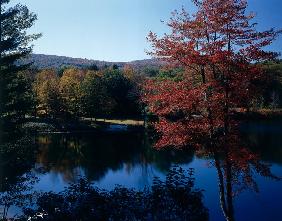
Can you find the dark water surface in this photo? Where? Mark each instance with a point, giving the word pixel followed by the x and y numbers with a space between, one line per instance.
pixel 127 158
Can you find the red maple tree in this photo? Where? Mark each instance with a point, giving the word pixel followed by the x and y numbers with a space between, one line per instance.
pixel 218 48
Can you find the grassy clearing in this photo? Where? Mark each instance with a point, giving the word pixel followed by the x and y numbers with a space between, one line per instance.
pixel 265 111
pixel 115 121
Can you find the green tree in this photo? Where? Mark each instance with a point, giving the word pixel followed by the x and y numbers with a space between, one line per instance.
pixel 272 93
pixel 14 45
pixel 174 74
pixel 93 67
pixel 96 102
pixel 150 72
pixel 115 67
pixel 122 88
pixel 22 98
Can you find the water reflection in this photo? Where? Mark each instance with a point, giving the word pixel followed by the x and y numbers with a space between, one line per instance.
pixel 16 179
pixel 125 156
pixel 264 137
pixel 237 173
pixel 17 158
pixel 95 155
pixel 237 167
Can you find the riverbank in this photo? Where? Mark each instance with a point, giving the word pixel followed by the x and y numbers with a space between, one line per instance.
pixel 257 114
pixel 46 125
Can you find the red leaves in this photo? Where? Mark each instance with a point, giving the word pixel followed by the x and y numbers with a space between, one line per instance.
pixel 217 46
pixel 218 26
pixel 169 97
pixel 183 111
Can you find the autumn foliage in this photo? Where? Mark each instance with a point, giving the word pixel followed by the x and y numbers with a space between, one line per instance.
pixel 218 48
pixel 77 93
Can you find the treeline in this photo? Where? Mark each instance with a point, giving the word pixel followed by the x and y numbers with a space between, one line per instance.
pixel 269 87
pixel 91 93
pixel 42 61
pixel 272 87
pixel 110 92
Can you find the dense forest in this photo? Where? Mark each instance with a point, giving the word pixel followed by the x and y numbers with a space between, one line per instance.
pixel 73 93
pixel 115 91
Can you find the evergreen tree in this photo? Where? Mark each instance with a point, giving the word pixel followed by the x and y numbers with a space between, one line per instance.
pixel 14 45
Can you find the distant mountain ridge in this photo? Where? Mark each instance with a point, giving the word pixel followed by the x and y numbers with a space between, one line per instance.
pixel 42 61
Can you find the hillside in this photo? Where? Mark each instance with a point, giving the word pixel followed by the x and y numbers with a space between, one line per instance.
pixel 42 61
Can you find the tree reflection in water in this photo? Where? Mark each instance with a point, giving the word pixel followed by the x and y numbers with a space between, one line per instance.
pixel 175 199
pixel 236 168
pixel 95 155
pixel 16 178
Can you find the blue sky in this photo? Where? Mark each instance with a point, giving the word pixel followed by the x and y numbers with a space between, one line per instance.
pixel 116 30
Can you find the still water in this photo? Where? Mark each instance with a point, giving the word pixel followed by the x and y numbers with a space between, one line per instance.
pixel 127 159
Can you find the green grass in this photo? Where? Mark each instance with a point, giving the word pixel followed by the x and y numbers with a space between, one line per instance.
pixel 115 121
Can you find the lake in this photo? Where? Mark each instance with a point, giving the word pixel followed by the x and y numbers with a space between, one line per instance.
pixel 120 157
